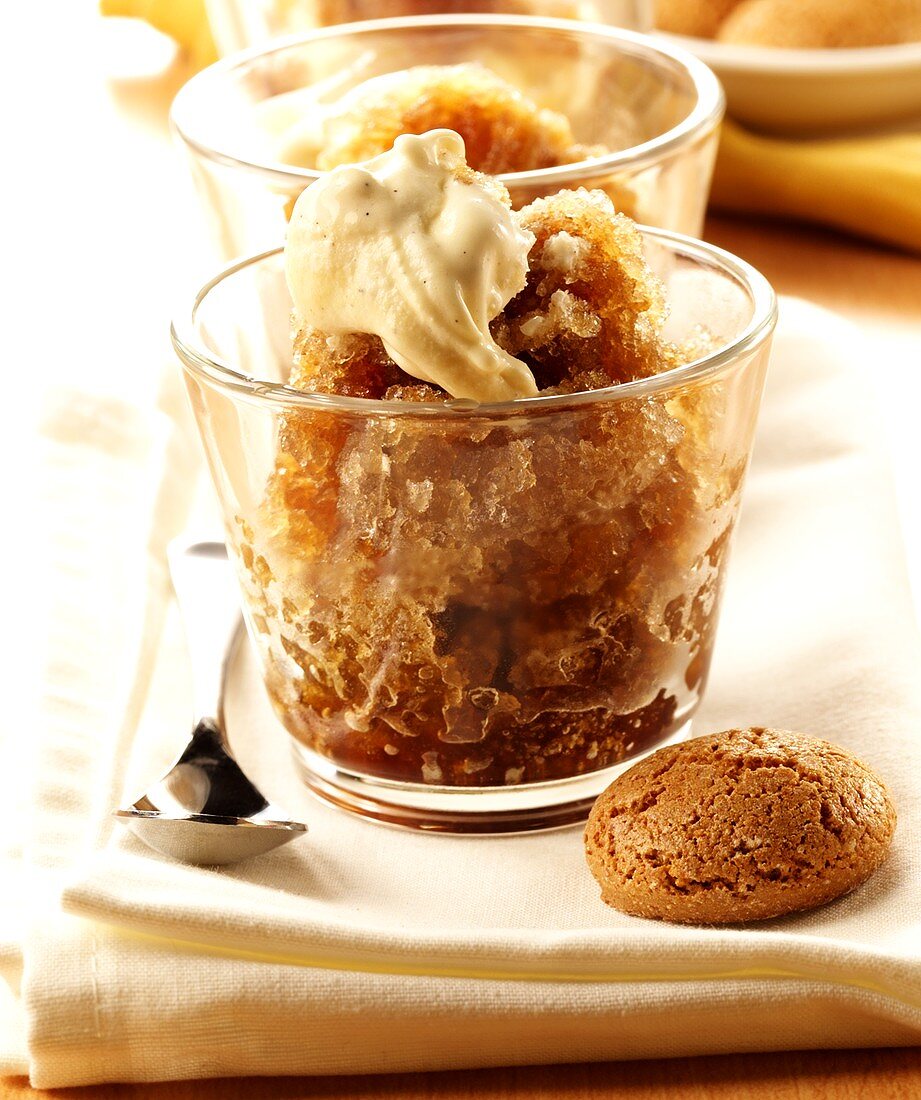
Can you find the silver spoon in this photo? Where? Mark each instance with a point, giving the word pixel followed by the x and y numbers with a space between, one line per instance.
pixel 205 810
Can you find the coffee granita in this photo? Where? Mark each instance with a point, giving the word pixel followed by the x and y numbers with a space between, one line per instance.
pixel 503 129
pixel 490 569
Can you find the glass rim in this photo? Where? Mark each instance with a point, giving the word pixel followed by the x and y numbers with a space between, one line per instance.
pixel 704 116
pixel 218 373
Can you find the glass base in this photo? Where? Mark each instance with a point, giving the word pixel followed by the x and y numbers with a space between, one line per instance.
pixel 522 809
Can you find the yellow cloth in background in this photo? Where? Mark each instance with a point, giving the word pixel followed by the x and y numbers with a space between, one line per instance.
pixel 870 186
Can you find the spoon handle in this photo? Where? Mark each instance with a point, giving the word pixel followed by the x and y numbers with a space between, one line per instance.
pixel 209 604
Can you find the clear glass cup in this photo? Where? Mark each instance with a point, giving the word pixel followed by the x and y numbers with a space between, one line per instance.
pixel 656 107
pixel 237 24
pixel 470 617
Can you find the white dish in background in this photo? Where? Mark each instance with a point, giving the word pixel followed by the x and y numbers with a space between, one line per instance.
pixel 802 92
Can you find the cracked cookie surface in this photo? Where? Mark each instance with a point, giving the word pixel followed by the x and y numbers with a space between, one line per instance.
pixel 738 826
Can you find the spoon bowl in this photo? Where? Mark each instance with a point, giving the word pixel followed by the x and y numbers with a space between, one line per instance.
pixel 205 810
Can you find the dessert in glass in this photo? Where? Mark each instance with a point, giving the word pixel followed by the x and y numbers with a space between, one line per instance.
pixel 237 24
pixel 545 104
pixel 480 470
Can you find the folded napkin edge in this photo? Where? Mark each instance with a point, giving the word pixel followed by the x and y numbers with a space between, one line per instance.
pixel 779 954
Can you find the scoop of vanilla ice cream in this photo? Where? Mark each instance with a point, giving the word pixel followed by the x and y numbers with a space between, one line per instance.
pixel 409 247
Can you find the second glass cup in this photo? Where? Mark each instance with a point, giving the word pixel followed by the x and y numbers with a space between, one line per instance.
pixel 470 617
pixel 655 107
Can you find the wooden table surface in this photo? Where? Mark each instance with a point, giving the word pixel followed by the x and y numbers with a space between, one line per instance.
pixel 815 1075
pixel 881 290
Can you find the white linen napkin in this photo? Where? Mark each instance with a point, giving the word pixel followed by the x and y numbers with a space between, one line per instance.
pixel 362 948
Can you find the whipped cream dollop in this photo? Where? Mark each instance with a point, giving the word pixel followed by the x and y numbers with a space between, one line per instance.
pixel 404 247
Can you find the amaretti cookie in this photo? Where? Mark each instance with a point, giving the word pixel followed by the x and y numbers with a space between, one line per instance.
pixel 738 826
pixel 822 24
pixel 794 24
pixel 698 18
